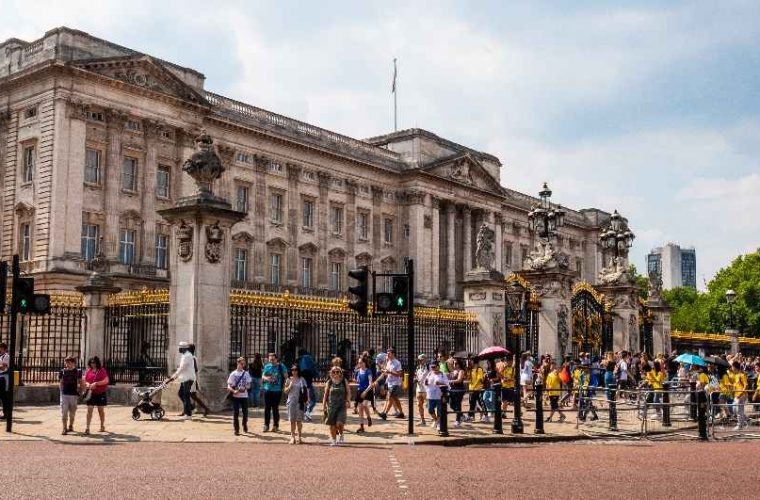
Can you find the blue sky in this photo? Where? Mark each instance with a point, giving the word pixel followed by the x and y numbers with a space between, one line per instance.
pixel 648 107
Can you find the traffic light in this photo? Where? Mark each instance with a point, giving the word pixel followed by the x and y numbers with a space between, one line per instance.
pixel 360 290
pixel 397 300
pixel 26 301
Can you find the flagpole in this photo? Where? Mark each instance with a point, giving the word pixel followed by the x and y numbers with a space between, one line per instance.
pixel 395 96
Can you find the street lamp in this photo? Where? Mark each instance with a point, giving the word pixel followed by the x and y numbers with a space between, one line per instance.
pixel 617 237
pixel 731 298
pixel 545 218
pixel 516 301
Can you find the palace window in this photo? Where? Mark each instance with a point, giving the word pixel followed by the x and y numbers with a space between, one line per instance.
pixel 508 254
pixel 162 181
pixel 336 271
pixel 127 246
pixel 362 225
pixel 275 167
pixel 276 208
pixel 134 125
pixel 30 112
pixel 388 231
pixel 306 267
pixel 162 246
pixel 242 199
pixel 336 220
pixel 92 166
pixel 308 214
pixel 166 134
pixel 275 269
pixel 97 116
pixel 89 241
pixel 241 264
pixel 129 174
pixel 27 174
pixel 25 242
pixel 407 231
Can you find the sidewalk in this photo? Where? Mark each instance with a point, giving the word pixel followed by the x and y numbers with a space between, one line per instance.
pixel 43 423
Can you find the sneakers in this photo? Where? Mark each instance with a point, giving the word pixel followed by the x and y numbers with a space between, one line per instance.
pixel 549 419
pixel 486 419
pixel 307 417
pixel 383 416
pixel 400 415
pixel 369 421
pixel 422 423
pixel 187 417
pixel 457 424
pixel 265 428
pixel 333 442
pixel 237 433
pixel 292 441
pixel 562 418
pixel 341 439
pixel 276 429
pixel 360 429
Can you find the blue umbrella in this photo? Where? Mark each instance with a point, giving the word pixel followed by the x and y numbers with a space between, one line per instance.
pixel 691 359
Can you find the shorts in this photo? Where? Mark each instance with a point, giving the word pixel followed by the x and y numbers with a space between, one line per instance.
pixel 363 401
pixel 524 380
pixel 434 406
pixel 507 394
pixel 68 405
pixel 98 400
pixel 394 391
pixel 554 402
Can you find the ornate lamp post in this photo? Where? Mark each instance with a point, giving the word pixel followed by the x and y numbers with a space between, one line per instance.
pixel 617 239
pixel 516 301
pixel 731 330
pixel 546 218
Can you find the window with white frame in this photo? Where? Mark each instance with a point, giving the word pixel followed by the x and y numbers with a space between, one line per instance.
pixel 129 174
pixel 92 166
pixel 306 267
pixel 274 269
pixel 308 214
pixel 388 230
pixel 275 208
pixel 242 199
pixel 25 242
pixel 127 246
pixel 336 271
pixel 241 264
pixel 89 241
pixel 27 175
pixel 508 254
pixel 162 247
pixel 162 181
pixel 362 225
pixel 134 125
pixel 336 219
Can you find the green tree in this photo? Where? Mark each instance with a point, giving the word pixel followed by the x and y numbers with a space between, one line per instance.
pixel 641 281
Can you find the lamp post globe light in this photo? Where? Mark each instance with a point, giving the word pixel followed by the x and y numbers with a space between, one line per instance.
pixel 545 218
pixel 731 330
pixel 516 319
pixel 617 238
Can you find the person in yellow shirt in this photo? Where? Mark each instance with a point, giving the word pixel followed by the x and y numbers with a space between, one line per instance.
pixel 507 383
pixel 655 379
pixel 475 384
pixel 725 386
pixel 739 386
pixel 553 390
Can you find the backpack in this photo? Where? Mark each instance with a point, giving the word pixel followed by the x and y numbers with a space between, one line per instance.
pixel 564 375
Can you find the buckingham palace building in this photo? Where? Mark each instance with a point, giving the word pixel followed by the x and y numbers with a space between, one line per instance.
pixel 93 137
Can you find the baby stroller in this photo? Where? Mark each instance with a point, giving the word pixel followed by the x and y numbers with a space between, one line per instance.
pixel 147 405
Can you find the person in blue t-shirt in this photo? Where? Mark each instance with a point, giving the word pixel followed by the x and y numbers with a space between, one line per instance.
pixel 364 395
pixel 273 377
pixel 308 370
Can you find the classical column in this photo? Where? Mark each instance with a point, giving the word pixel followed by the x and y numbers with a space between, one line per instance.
pixel 294 175
pixel 227 155
pixel 115 123
pixel 95 293
pixel 415 208
pixel 498 223
pixel 259 219
pixel 377 222
pixel 148 199
pixel 435 244
pixel 467 239
pixel 451 284
pixel 350 229
pixel 322 225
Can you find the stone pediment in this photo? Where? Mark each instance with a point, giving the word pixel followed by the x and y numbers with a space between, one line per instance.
pixel 465 169
pixel 142 71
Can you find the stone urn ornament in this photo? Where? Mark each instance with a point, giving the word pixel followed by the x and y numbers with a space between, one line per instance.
pixel 204 166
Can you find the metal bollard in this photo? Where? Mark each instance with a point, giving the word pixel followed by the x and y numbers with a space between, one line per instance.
pixel 666 404
pixel 443 418
pixel 693 401
pixel 538 391
pixel 702 415
pixel 498 424
pixel 612 402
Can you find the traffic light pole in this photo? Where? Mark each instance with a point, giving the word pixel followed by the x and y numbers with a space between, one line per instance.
pixel 12 350
pixel 411 361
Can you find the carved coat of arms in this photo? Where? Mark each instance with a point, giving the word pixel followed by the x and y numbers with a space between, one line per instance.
pixel 185 241
pixel 214 237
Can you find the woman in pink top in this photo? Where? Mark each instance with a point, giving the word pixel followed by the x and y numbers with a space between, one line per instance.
pixel 96 381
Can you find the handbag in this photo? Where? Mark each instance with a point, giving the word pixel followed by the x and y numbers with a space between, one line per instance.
pixel 564 376
pixel 229 396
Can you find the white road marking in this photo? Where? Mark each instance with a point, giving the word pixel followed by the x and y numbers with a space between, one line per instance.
pixel 398 473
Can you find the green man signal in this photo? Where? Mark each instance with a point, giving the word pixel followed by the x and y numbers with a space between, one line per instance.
pixel 396 301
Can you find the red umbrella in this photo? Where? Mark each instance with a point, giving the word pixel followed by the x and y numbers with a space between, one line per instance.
pixel 493 352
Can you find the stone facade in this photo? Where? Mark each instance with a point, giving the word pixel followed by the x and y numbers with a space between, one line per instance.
pixel 93 137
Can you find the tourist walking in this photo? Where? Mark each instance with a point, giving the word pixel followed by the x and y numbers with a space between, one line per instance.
pixel 96 382
pixel 419 382
pixel 308 370
pixel 335 401
pixel 433 383
pixel 456 382
pixel 297 390
pixel 363 393
pixel 392 375
pixel 195 388
pixel 185 374
pixel 273 376
pixel 5 399
pixel 255 370
pixel 739 385
pixel 476 384
pixel 238 384
pixel 553 390
pixel 71 384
